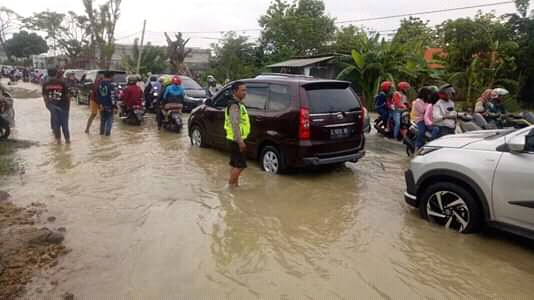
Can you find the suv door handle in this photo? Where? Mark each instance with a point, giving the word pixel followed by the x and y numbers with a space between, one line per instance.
pixel 259 119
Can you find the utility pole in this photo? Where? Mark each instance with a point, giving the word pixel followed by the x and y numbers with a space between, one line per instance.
pixel 141 49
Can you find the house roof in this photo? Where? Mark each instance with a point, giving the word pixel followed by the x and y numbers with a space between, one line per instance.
pixel 300 62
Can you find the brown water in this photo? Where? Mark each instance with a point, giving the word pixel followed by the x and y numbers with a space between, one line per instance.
pixel 148 217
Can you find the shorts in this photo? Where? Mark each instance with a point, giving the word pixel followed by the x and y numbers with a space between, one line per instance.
pixel 237 158
pixel 93 106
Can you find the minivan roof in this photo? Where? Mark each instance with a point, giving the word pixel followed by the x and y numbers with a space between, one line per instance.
pixel 300 79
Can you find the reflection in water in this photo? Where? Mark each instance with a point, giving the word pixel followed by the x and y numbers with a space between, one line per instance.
pixel 148 217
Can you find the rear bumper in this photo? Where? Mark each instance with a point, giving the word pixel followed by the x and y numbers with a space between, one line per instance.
pixel 316 161
pixel 411 190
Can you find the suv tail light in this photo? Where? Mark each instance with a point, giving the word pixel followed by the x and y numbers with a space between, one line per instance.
pixel 304 124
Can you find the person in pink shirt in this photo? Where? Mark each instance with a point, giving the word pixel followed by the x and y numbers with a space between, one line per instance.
pixel 423 115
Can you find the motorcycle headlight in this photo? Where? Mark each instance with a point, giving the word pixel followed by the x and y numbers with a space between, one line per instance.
pixel 155 94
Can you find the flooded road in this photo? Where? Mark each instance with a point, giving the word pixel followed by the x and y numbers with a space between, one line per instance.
pixel 148 217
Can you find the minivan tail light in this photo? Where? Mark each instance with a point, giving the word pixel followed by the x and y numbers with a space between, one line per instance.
pixel 363 116
pixel 304 124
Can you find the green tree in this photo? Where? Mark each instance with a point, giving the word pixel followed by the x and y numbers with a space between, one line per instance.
pixel 24 44
pixel 522 7
pixel 8 23
pixel 235 57
pixel 349 38
pixel 67 32
pixel 47 22
pixel 300 28
pixel 153 59
pixel 414 31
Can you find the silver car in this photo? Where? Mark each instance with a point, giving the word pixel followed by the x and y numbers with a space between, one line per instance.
pixel 473 179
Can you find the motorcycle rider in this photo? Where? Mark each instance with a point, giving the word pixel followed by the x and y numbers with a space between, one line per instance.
pixel 381 100
pixel 212 87
pixel 496 102
pixel 397 105
pixel 153 85
pixel 174 93
pixel 132 95
pixel 443 114
pixel 482 115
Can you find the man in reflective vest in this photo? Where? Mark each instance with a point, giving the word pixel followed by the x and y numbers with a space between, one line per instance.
pixel 237 127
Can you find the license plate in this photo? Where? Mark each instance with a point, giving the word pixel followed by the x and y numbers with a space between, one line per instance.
pixel 337 133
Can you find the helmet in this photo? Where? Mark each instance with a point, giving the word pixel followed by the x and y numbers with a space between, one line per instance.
pixel 404 86
pixel 131 79
pixel 447 90
pixel 433 88
pixel 176 80
pixel 385 86
pixel 153 78
pixel 211 80
pixel 499 92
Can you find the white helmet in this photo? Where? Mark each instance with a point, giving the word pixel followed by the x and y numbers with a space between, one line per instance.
pixel 499 92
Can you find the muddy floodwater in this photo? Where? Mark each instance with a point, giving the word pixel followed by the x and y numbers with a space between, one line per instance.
pixel 148 217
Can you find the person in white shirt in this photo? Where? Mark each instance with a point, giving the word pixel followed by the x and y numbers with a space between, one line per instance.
pixel 443 114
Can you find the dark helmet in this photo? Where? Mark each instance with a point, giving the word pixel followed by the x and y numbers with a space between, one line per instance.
pixel 132 79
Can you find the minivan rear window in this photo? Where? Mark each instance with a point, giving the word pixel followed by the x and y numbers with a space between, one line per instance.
pixel 120 77
pixel 329 98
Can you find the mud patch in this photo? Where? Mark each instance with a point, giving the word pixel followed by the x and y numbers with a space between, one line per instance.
pixel 9 164
pixel 24 248
pixel 23 92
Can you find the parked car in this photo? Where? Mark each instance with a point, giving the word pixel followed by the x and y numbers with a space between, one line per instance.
pixel 88 81
pixel 194 94
pixel 296 122
pixel 78 73
pixel 481 177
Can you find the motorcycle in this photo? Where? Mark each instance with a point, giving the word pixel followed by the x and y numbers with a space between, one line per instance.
pixel 151 99
pixel 172 117
pixel 385 128
pixel 133 116
pixel 7 115
pixel 464 123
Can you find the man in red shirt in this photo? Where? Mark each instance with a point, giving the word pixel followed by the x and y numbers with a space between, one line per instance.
pixel 133 94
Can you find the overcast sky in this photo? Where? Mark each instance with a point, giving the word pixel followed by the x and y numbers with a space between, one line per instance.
pixel 204 20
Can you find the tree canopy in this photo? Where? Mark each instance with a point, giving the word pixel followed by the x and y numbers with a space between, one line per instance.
pixel 24 44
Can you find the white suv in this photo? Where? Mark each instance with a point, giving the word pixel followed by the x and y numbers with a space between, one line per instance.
pixel 482 177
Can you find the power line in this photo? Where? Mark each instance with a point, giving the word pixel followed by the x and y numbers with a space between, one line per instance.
pixel 365 19
pixel 128 36
pixel 426 12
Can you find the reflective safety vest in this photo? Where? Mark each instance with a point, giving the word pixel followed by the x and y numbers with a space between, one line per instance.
pixel 244 123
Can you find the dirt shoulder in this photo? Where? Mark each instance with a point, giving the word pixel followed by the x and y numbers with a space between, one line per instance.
pixel 22 90
pixel 26 246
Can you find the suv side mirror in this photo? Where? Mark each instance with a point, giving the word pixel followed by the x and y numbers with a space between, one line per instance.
pixel 518 143
pixel 208 101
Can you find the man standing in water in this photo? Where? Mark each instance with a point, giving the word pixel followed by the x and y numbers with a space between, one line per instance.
pixel 93 105
pixel 56 99
pixel 237 127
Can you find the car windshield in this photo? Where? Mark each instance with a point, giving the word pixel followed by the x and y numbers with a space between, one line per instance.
pixel 332 98
pixel 190 84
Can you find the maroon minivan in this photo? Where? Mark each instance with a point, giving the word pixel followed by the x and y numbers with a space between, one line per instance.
pixel 296 121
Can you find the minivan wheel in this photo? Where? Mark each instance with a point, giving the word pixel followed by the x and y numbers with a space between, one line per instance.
pixel 452 206
pixel 197 139
pixel 271 161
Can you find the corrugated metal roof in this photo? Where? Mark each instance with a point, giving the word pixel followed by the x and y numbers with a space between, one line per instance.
pixel 300 62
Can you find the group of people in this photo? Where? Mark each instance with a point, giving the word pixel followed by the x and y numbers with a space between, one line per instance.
pixel 433 110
